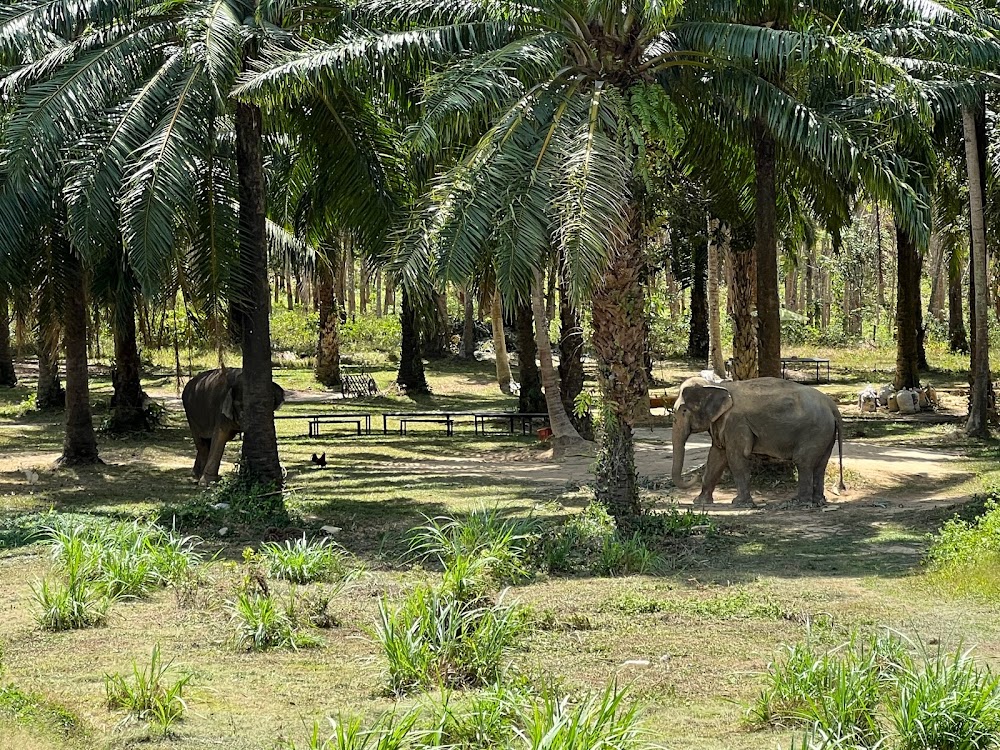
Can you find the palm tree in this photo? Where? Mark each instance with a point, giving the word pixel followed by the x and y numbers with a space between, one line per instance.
pixel 8 378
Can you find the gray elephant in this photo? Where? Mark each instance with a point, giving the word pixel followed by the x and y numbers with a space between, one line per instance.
pixel 213 402
pixel 764 416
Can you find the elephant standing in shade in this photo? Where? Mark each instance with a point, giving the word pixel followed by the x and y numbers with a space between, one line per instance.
pixel 213 402
pixel 764 416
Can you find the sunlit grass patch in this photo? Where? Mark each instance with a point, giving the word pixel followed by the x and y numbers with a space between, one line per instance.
pixel 148 694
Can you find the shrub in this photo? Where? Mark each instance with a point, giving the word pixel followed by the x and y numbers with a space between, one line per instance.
pixel 387 732
pixel 436 638
pixel 148 696
pixel 964 557
pixel 250 503
pixel 626 556
pixel 258 621
pixel 304 562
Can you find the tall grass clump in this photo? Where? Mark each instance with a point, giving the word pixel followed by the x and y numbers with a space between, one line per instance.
pixel 259 621
pixel 302 561
pixel 435 638
pixel 881 692
pixel 950 704
pixel 487 544
pixel 964 557
pixel 96 564
pixel 149 695
pixel 501 718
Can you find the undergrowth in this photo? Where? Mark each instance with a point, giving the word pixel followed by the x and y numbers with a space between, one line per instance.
pixel 964 556
pixel 149 694
pixel 881 691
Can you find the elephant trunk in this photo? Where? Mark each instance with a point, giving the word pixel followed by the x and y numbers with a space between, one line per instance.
pixel 681 432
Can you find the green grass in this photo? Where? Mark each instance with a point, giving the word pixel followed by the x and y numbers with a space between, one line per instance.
pixel 303 561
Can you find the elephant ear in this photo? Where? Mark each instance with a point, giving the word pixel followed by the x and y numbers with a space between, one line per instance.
pixel 711 401
pixel 228 410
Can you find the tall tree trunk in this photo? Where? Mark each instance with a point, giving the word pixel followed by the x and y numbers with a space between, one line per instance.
pixel 743 297
pixel 530 398
pixel 766 249
pixel 880 257
pixel 366 284
pixel 565 438
pixel 974 126
pixel 129 411
pixel 259 460
pixel 411 364
pixel 50 393
pixel 620 343
pixel 504 375
pixel 390 298
pixel 328 342
pixel 7 377
pixel 80 441
pixel 571 374
pixel 698 335
pixel 907 308
pixel 717 233
pixel 438 328
pixel 467 349
pixel 378 294
pixel 939 277
pixel 958 339
pixel 352 299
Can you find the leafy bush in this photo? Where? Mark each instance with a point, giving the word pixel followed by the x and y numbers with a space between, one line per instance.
pixel 965 555
pixel 366 333
pixel 148 696
pixel 302 561
pixel 250 503
pixel 435 638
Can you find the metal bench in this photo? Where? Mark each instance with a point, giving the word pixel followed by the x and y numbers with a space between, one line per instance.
pixel 356 419
pixel 359 419
pixel 445 419
pixel 527 419
pixel 812 362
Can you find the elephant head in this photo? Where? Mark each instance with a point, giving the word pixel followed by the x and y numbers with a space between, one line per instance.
pixel 699 404
pixel 232 404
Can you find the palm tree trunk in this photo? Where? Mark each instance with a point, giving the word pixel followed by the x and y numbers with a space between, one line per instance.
pixel 467 350
pixel 565 438
pixel 530 399
pixel 978 424
pixel 260 442
pixel 958 339
pixel 8 379
pixel 743 293
pixel 378 293
pixel 504 375
pixel 129 413
pixel 80 442
pixel 620 342
pixel 328 343
pixel 411 364
pixel 715 359
pixel 571 373
pixel 352 297
pixel 907 307
pixel 366 286
pixel 438 329
pixel 698 336
pixel 50 393
pixel 768 309
pixel 939 277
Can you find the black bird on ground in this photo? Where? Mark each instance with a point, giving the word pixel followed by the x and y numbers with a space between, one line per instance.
pixel 319 460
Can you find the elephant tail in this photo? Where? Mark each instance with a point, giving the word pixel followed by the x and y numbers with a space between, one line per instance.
pixel 840 449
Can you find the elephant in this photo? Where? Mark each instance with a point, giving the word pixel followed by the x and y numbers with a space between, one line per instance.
pixel 213 402
pixel 764 416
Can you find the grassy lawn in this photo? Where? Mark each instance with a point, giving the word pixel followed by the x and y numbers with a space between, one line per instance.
pixel 690 641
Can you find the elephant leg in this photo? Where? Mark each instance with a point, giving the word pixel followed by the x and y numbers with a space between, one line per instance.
pixel 203 446
pixel 819 478
pixel 714 467
pixel 219 441
pixel 740 468
pixel 804 494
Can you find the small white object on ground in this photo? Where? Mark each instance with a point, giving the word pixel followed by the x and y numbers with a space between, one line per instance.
pixel 223 531
pixel 331 530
